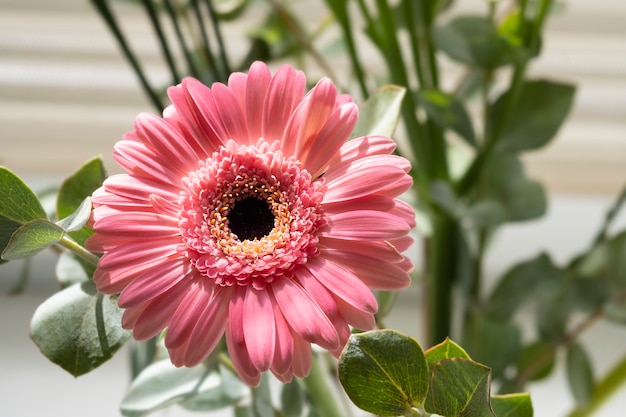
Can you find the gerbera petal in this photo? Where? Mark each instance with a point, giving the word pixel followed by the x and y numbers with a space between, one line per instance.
pixel 156 314
pixel 230 113
pixel 343 284
pixel 302 357
pixel 374 273
pixel 154 282
pixel 259 327
pixel 360 148
pixel 256 88
pixel 283 350
pixel 186 316
pixel 364 224
pixel 385 251
pixel 303 314
pixel 284 93
pixel 235 340
pixel 137 159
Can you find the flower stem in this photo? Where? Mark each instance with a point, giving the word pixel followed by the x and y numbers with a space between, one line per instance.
pixel 323 396
pixel 71 245
pixel 603 391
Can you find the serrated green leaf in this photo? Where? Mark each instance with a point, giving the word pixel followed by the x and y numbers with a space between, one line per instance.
pixel 161 384
pixel 474 41
pixel 32 238
pixel 444 350
pixel 512 405
pixel 449 113
pixel 384 372
pixel 78 328
pixel 18 206
pixel 76 188
pixel 379 115
pixel 460 388
pixel 540 111
pixel 579 374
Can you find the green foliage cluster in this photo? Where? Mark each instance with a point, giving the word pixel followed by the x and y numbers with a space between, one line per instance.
pixel 492 117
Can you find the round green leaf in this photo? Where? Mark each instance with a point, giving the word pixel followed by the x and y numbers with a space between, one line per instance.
pixel 379 115
pixel 536 361
pixel 78 328
pixel 579 374
pixel 512 405
pixel 449 113
pixel 31 238
pixel 540 110
pixel 444 350
pixel 384 372
pixel 460 387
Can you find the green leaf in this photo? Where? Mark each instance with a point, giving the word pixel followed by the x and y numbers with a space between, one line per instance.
pixel 474 41
pixel 540 110
pixel 379 115
pixel 506 182
pixel 78 328
pixel 78 219
pixel 292 399
pixel 460 387
pixel 75 189
pixel 161 384
pixel 536 361
pixel 523 282
pixel 18 206
pixel 579 374
pixel 448 112
pixel 444 350
pixel 492 342
pixel 384 372
pixel 31 238
pixel 262 399
pixel 512 405
pixel 70 270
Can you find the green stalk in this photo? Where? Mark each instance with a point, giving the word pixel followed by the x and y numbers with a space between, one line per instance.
pixel 323 396
pixel 105 11
pixel 220 39
pixel 603 390
pixel 206 46
pixel 442 265
pixel 71 245
pixel 181 38
pixel 165 48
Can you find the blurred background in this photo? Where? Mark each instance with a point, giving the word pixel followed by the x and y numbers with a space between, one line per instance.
pixel 66 95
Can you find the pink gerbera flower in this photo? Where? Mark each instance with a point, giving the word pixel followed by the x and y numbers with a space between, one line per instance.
pixel 245 212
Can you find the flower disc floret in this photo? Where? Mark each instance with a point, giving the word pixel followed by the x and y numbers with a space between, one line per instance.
pixel 231 177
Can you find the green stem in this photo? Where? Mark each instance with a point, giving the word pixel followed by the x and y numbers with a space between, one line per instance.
pixel 220 39
pixel 71 245
pixel 206 46
pixel 165 47
pixel 442 266
pixel 323 396
pixel 603 390
pixel 103 8
pixel 181 38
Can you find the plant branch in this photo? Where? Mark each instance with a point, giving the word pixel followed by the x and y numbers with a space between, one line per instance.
pixel 165 48
pixel 71 245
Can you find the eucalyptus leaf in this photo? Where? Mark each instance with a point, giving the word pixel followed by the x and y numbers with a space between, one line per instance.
pixel 384 372
pixel 78 219
pixel 78 328
pixel 448 112
pixel 18 205
pixel 444 350
pixel 536 361
pixel 520 197
pixel 70 270
pixel 292 399
pixel 73 192
pixel 460 388
pixel 523 282
pixel 540 111
pixel 474 41
pixel 579 374
pixel 31 238
pixel 380 114
pixel 493 342
pixel 262 398
pixel 214 397
pixel 512 405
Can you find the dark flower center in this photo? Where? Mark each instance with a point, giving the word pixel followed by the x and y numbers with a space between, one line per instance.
pixel 250 218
